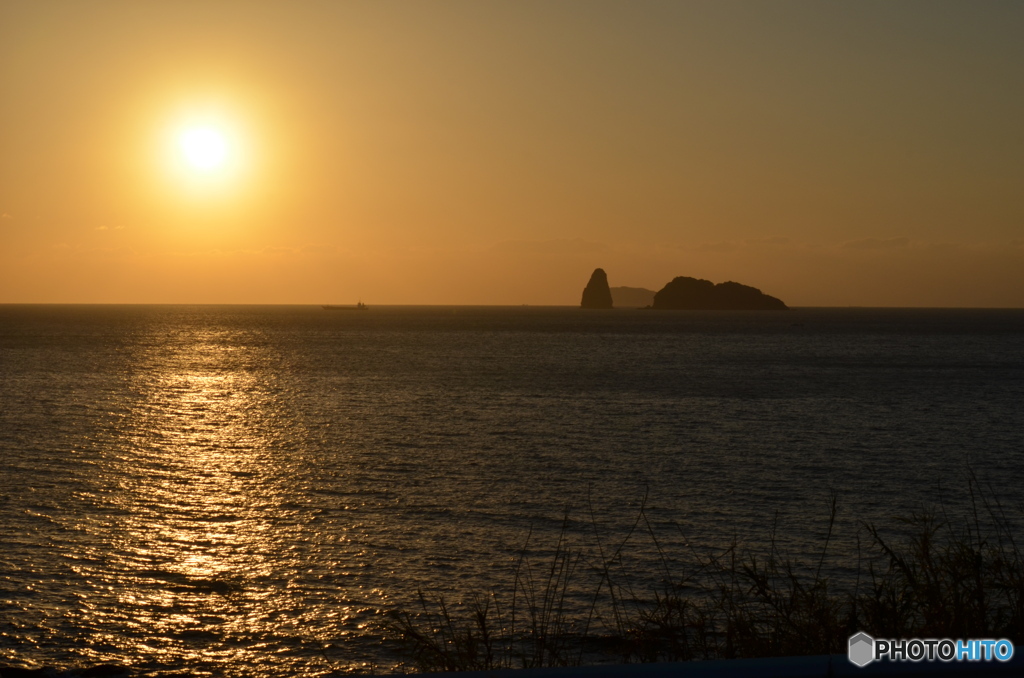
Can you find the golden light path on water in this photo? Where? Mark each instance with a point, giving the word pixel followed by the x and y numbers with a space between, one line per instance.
pixel 199 524
pixel 244 491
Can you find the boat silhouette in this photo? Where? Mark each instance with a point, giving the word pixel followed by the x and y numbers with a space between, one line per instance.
pixel 358 307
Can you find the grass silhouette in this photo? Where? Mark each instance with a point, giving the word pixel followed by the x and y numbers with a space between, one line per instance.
pixel 950 577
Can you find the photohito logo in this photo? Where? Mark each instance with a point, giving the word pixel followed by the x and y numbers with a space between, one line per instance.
pixel 864 649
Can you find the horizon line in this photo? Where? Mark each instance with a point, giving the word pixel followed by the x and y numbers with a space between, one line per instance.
pixel 565 306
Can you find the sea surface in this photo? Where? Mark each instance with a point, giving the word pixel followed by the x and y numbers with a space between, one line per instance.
pixel 249 490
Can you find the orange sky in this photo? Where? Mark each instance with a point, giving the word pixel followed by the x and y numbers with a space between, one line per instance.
pixel 831 154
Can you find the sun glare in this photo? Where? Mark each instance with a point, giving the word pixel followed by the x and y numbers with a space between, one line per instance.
pixel 206 154
pixel 204 148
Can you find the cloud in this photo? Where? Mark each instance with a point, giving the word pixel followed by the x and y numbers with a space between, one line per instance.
pixel 557 246
pixel 102 228
pixel 746 244
pixel 6 216
pixel 771 240
pixel 723 246
pixel 278 250
pixel 877 244
pixel 112 251
pixel 319 249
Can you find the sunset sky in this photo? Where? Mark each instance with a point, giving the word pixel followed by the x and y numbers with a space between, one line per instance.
pixel 830 153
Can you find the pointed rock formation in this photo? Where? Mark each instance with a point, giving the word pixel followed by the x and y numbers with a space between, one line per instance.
pixel 692 294
pixel 597 294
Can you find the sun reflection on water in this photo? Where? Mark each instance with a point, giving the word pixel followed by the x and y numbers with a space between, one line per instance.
pixel 197 523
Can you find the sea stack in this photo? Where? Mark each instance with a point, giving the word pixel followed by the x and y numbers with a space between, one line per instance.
pixel 597 293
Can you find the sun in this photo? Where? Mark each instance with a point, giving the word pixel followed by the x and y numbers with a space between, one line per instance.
pixel 206 153
pixel 203 148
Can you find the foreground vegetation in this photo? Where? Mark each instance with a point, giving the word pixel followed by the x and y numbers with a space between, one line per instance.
pixel 948 578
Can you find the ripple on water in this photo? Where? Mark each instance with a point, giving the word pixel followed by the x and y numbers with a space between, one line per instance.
pixel 249 489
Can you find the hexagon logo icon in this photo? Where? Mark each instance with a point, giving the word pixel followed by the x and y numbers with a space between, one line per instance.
pixel 862 649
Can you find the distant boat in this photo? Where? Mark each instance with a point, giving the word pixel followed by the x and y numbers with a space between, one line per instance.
pixel 358 307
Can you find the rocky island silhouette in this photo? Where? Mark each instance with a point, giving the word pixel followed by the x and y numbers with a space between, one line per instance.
pixel 686 294
pixel 632 297
pixel 597 294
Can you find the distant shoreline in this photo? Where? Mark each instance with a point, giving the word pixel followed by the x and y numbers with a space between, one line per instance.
pixel 503 306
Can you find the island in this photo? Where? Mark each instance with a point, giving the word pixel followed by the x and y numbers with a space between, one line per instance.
pixel 684 293
pixel 632 297
pixel 596 294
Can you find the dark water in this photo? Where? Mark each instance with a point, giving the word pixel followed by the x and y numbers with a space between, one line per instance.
pixel 244 490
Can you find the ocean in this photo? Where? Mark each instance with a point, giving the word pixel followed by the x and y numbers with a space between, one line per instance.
pixel 246 490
